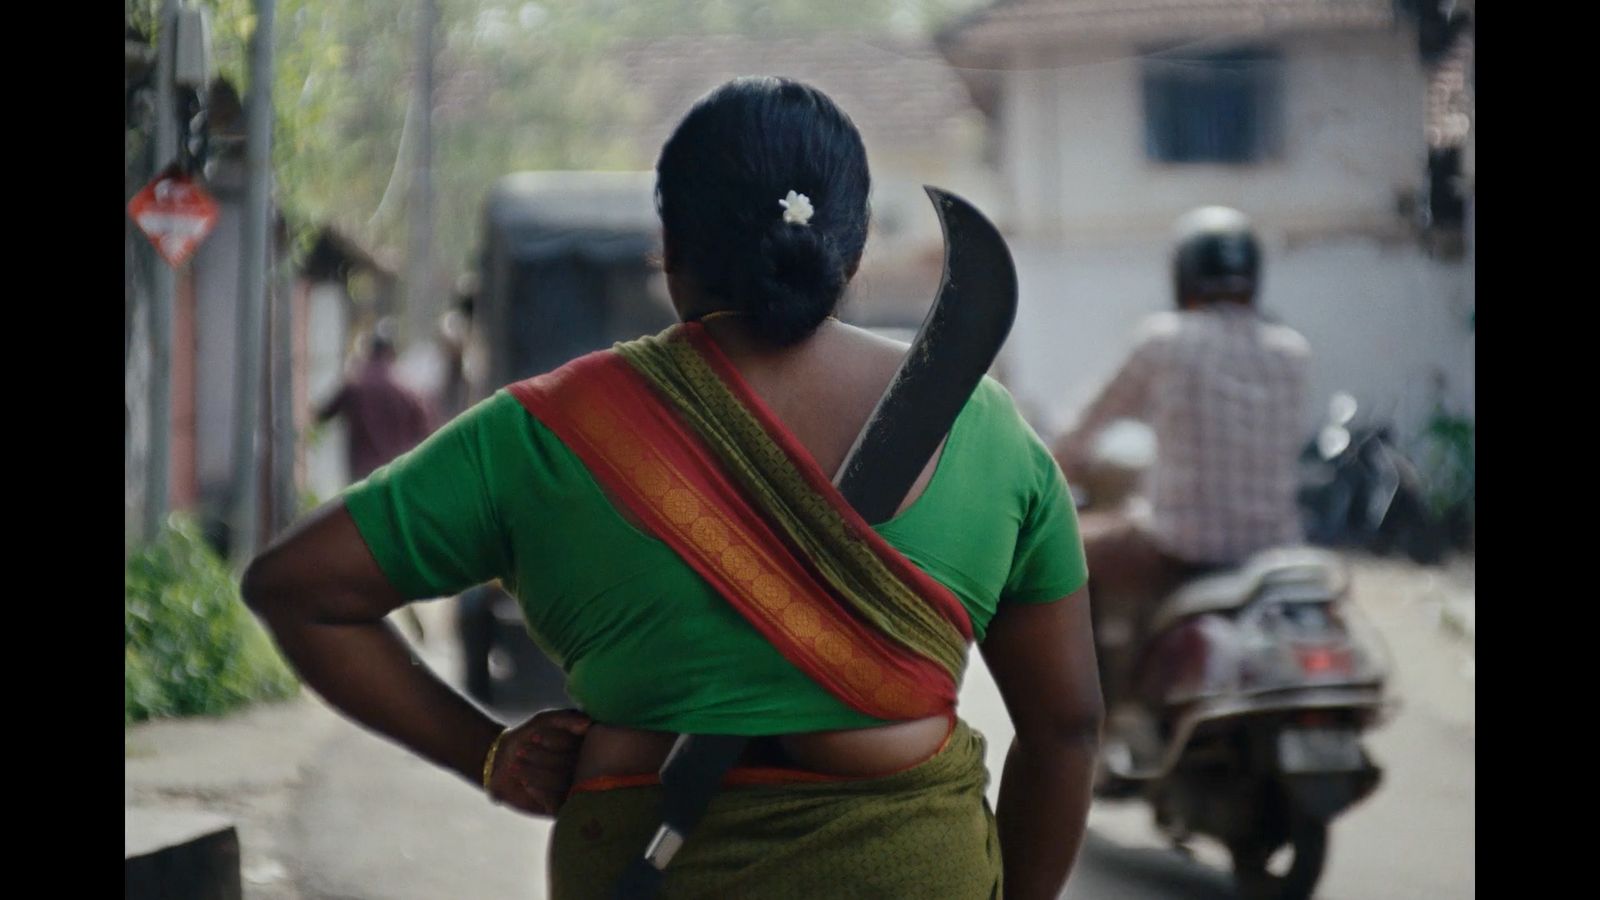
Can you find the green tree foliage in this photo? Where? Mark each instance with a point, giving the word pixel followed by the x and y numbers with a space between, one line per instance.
pixel 190 645
pixel 1449 463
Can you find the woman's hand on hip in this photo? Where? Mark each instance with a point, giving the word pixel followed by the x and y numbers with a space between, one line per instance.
pixel 534 765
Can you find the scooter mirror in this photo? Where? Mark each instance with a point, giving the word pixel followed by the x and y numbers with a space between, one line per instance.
pixel 1342 408
pixel 1332 441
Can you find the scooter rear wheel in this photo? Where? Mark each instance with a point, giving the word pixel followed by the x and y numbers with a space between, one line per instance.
pixel 1308 842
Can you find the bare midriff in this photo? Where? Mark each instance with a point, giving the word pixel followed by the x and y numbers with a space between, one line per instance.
pixel 610 751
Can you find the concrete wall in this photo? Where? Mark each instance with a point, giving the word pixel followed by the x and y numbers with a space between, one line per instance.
pixel 216 273
pixel 1353 106
pixel 327 336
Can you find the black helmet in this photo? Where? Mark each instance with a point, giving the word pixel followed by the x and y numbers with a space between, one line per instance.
pixel 1216 253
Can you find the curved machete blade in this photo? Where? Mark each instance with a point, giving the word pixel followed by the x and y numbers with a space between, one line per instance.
pixel 956 345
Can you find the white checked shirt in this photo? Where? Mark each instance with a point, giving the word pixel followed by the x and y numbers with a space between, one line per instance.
pixel 1224 392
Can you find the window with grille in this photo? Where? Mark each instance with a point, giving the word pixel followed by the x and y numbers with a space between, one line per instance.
pixel 1212 107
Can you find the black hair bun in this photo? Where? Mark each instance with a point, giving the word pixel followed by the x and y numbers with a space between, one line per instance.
pixel 798 278
pixel 724 175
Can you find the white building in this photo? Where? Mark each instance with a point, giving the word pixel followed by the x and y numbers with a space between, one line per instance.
pixel 1109 118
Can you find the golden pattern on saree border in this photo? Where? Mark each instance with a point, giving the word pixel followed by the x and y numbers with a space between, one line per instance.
pixel 709 535
pixel 680 506
pixel 770 591
pixel 653 479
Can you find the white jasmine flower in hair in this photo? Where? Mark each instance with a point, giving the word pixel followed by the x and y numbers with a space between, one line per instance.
pixel 796 208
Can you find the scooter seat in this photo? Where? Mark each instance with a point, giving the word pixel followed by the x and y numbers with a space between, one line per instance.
pixel 1231 589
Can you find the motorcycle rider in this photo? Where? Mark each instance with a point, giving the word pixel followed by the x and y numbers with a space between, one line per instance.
pixel 1223 390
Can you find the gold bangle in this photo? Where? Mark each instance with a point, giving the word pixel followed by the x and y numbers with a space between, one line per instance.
pixel 488 761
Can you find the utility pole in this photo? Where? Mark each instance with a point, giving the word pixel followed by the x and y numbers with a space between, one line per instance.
pixel 285 499
pixel 420 299
pixel 163 286
pixel 255 234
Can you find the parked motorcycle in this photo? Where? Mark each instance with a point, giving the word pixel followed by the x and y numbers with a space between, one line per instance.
pixel 1359 490
pixel 1248 697
pixel 501 664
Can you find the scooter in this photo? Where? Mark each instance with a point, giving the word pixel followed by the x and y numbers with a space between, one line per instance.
pixel 1248 697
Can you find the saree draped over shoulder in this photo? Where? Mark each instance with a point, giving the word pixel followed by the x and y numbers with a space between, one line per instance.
pixel 672 432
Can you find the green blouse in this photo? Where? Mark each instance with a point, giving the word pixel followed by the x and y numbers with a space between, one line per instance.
pixel 645 642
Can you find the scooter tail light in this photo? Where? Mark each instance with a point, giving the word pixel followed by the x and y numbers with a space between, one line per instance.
pixel 1325 660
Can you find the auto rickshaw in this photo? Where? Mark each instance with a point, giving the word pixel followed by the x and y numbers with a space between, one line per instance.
pixel 565 269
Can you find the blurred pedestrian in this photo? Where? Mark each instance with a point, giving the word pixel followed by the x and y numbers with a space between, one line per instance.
pixel 384 418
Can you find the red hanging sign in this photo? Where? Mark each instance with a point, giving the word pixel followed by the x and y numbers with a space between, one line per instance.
pixel 175 213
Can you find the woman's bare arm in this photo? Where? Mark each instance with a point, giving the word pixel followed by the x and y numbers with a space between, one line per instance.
pixel 1042 658
pixel 324 598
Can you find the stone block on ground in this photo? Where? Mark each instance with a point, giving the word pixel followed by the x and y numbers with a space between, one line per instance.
pixel 180 855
